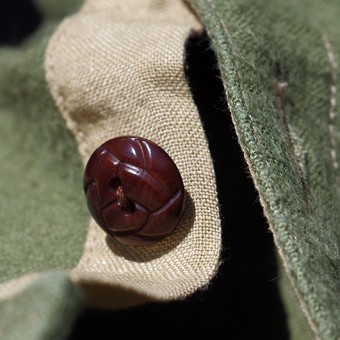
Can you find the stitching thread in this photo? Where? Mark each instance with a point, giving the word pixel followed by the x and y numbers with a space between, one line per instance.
pixel 332 104
pixel 300 298
pixel 300 168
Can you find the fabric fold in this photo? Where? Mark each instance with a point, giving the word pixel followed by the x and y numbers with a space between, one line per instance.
pixel 117 68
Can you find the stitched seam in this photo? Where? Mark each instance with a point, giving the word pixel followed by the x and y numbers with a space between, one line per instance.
pixel 279 88
pixel 332 104
pixel 227 33
pixel 300 298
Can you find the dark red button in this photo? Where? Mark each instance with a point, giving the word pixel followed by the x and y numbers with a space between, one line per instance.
pixel 134 190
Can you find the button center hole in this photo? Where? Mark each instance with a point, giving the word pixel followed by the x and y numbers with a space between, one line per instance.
pixel 114 184
pixel 126 206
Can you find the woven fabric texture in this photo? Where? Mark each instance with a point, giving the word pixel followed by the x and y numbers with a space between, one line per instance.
pixel 117 68
pixel 279 67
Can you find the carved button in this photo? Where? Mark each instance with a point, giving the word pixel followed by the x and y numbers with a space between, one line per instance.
pixel 134 190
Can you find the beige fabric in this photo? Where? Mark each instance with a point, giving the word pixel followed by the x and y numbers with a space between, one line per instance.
pixel 11 288
pixel 117 68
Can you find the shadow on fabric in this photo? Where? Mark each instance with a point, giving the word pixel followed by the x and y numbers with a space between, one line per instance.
pixel 243 301
pixel 18 19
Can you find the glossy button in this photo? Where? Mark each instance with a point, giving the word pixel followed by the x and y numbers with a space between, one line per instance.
pixel 134 190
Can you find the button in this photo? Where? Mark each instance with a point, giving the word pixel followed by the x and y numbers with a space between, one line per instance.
pixel 134 190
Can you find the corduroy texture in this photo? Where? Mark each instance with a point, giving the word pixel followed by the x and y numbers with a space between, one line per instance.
pixel 280 74
pixel 117 68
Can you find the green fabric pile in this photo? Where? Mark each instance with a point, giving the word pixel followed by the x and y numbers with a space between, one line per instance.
pixel 279 69
pixel 278 63
pixel 40 189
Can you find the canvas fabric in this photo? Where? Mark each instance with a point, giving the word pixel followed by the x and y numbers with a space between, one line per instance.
pixel 117 68
pixel 279 65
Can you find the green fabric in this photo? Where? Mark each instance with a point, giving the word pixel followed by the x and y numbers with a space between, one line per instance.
pixel 289 136
pixel 57 9
pixel 277 63
pixel 297 325
pixel 43 216
pixel 44 310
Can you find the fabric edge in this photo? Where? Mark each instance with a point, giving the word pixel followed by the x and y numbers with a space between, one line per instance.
pixel 300 300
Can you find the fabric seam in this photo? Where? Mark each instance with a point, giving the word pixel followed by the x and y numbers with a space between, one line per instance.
pixel 300 298
pixel 332 105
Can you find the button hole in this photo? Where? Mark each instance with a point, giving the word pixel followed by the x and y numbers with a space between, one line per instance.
pixel 114 184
